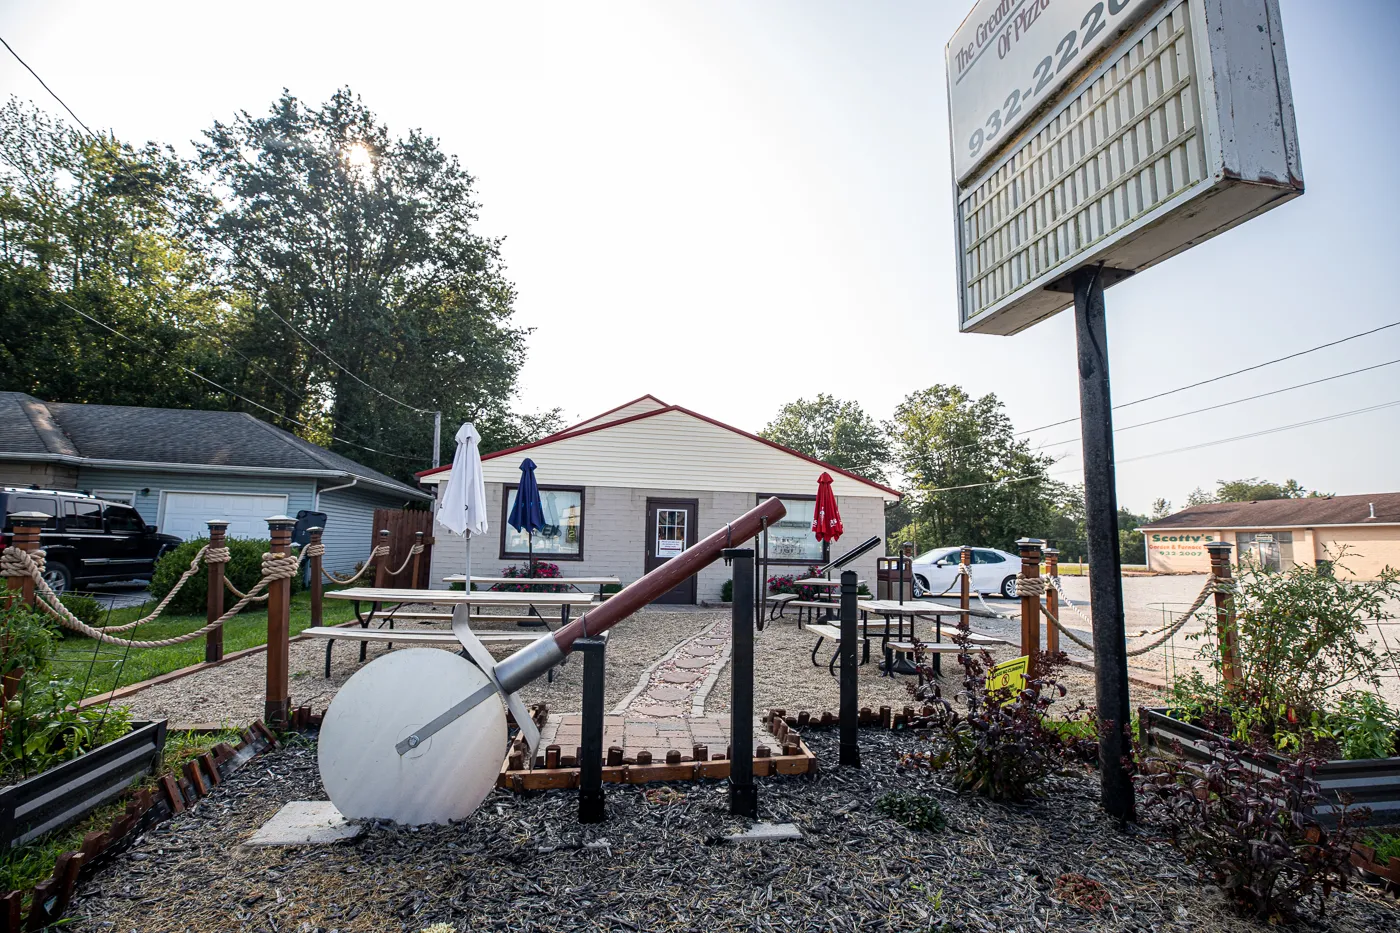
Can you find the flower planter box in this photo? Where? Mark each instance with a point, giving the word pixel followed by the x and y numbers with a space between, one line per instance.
pixel 1371 782
pixel 68 792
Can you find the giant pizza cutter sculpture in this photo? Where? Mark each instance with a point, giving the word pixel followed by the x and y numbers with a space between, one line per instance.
pixel 418 735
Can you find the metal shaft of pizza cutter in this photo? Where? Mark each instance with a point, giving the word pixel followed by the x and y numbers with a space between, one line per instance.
pixel 535 659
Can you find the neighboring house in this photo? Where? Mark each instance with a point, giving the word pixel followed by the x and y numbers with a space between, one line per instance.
pixel 628 489
pixel 1282 533
pixel 180 468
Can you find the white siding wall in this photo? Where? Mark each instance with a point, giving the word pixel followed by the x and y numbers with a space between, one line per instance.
pixel 672 450
pixel 626 411
pixel 299 492
pixel 615 528
pixel 350 526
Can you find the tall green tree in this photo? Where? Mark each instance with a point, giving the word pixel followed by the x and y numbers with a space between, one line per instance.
pixel 837 431
pixel 105 228
pixel 362 276
pixel 1253 489
pixel 971 479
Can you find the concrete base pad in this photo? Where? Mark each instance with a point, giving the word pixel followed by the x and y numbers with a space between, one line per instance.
pixel 768 832
pixel 305 822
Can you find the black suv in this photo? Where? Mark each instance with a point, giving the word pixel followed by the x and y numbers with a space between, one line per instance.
pixel 87 539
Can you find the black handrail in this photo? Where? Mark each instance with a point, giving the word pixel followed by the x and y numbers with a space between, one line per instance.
pixel 850 555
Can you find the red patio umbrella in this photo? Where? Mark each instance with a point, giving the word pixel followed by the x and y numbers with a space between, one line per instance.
pixel 826 518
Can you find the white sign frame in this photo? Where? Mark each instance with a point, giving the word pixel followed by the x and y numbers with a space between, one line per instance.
pixel 1233 105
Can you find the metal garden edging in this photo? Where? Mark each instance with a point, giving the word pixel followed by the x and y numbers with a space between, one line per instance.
pixel 1370 782
pixel 67 792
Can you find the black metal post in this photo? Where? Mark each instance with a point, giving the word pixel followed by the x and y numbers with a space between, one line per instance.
pixel 590 764
pixel 1105 569
pixel 743 795
pixel 849 709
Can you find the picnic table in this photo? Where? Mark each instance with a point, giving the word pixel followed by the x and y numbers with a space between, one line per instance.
pixel 893 614
pixel 575 582
pixel 380 597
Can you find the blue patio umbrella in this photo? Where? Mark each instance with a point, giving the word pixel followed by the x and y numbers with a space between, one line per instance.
pixel 527 514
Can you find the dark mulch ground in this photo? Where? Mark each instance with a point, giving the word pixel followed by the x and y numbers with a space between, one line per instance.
pixel 659 863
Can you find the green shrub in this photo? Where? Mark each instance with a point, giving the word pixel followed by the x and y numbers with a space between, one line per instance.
pixel 913 810
pixel 244 570
pixel 85 608
pixel 610 588
pixel 1386 844
pixel 726 591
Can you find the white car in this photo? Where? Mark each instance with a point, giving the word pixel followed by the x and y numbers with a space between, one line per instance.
pixel 993 571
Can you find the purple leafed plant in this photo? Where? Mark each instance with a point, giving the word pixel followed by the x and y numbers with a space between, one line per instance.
pixel 1255 833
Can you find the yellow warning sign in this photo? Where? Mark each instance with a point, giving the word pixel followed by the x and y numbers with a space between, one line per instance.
pixel 1009 675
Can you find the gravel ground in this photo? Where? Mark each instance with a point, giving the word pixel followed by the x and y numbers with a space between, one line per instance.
pixel 659 863
pixel 233 693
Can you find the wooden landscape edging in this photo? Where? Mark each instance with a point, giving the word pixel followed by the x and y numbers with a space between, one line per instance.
pixel 886 717
pixel 1386 874
pixel 175 793
pixel 554 769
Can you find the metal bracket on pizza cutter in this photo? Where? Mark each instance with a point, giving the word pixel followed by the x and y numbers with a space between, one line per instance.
pixel 461 627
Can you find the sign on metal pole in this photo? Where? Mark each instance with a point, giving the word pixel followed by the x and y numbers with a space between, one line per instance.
pixel 1113 132
pixel 1091 140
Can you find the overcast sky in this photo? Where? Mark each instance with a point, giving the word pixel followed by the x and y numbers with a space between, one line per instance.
pixel 730 205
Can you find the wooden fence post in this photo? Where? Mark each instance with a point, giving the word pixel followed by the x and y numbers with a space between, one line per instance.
pixel 418 543
pixel 277 708
pixel 1029 549
pixel 965 585
pixel 214 599
pixel 381 563
pixel 318 585
pixel 1225 633
pixel 26 527
pixel 1052 600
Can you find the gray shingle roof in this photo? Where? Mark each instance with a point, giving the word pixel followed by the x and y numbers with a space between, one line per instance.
pixel 1276 513
pixel 164 435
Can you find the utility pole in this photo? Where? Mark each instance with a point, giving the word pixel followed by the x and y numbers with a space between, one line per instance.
pixel 437 439
pixel 1105 566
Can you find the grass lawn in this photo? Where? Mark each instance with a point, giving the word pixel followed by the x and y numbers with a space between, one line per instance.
pixel 106 667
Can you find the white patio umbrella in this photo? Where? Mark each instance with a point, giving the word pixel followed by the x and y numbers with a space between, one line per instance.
pixel 463 507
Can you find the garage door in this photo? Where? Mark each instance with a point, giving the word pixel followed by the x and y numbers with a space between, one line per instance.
pixel 186 513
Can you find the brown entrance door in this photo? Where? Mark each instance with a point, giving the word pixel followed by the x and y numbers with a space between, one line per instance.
pixel 670 530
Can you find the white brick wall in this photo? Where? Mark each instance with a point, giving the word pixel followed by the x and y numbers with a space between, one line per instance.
pixel 614 526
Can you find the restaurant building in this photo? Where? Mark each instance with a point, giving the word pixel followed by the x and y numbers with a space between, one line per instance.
pixel 1360 534
pixel 625 491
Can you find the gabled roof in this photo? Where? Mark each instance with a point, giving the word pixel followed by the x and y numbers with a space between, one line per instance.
pixel 1286 513
pixel 603 423
pixel 637 406
pixel 166 437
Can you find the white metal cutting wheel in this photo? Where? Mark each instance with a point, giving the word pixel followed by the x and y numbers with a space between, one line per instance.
pixel 386 702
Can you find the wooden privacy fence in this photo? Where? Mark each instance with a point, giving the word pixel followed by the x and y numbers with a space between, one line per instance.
pixel 406 528
pixel 22 564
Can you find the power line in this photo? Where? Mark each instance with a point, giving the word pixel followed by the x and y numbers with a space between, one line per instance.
pixel 307 340
pixel 1286 427
pixel 1237 372
pixel 221 388
pixel 1249 398
pixel 46 87
pixel 1055 424
pixel 1177 450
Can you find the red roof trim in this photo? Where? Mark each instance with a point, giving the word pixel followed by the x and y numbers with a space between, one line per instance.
pixel 640 398
pixel 569 434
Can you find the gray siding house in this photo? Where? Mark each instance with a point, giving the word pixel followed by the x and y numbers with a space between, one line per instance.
pixel 180 468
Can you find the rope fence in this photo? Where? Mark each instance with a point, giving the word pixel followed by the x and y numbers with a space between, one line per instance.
pixel 17 563
pixel 1035 586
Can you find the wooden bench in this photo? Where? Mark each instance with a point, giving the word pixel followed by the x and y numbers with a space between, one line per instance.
pixel 779 601
pixel 411 637
pixel 438 617
pixel 832 633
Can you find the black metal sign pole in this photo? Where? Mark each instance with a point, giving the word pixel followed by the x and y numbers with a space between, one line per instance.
pixel 850 742
pixel 1105 569
pixel 743 795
